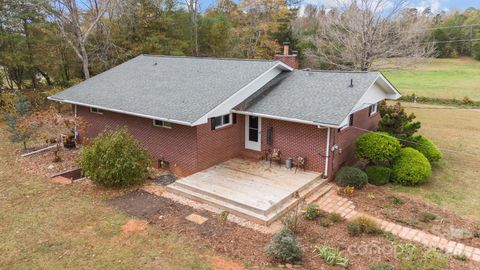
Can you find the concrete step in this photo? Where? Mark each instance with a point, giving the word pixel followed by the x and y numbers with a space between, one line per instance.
pixel 217 197
pixel 318 187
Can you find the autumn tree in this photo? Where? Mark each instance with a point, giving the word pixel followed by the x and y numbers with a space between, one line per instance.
pixel 50 125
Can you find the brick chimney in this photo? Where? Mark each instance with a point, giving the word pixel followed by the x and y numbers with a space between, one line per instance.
pixel 288 57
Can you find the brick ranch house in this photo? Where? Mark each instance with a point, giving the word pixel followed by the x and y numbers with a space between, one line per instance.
pixel 198 112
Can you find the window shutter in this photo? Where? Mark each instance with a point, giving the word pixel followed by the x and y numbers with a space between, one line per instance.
pixel 212 123
pixel 370 110
pixel 234 118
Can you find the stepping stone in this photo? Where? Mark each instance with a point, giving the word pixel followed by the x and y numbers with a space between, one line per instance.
pixel 196 218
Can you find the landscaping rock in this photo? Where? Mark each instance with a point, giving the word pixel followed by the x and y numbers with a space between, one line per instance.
pixel 196 218
pixel 165 179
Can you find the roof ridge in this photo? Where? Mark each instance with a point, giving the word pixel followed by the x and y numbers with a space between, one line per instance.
pixel 336 71
pixel 210 58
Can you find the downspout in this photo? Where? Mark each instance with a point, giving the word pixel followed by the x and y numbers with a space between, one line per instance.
pixel 327 151
pixel 75 114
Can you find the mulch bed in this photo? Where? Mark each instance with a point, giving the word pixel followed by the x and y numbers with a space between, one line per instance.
pixel 247 245
pixel 42 163
pixel 410 212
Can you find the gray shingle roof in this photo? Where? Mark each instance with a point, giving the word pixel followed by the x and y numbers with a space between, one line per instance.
pixel 324 97
pixel 175 88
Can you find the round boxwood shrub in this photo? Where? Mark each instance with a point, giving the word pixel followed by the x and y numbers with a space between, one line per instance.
pixel 378 147
pixel 378 175
pixel 284 247
pixel 115 159
pixel 427 148
pixel 351 176
pixel 410 167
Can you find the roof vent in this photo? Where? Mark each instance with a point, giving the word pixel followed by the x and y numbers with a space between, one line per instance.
pixel 351 83
pixel 155 64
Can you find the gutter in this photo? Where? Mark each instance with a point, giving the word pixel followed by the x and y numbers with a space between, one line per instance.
pixel 295 120
pixel 121 111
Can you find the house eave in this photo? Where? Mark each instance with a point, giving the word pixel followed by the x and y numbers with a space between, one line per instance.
pixel 294 120
pixel 121 111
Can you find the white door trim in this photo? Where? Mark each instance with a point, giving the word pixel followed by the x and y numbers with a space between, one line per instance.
pixel 257 146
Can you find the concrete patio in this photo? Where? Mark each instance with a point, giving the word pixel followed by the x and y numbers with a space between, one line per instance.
pixel 250 189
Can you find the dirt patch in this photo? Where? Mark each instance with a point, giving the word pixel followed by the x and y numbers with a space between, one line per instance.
pixel 134 225
pixel 224 237
pixel 380 202
pixel 219 263
pixel 246 246
pixel 42 163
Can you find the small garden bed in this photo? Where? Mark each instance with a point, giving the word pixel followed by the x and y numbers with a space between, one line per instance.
pixel 42 163
pixel 380 202
pixel 247 246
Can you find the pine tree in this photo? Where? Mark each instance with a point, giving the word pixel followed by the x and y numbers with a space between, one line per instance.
pixel 22 109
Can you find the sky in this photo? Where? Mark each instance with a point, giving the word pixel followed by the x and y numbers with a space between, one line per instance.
pixel 435 5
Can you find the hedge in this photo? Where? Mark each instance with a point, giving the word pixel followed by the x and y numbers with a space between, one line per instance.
pixel 427 148
pixel 351 176
pixel 378 147
pixel 410 167
pixel 378 175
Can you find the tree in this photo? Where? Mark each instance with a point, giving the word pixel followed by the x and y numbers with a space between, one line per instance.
pixel 20 109
pixel 358 33
pixel 76 24
pixel 396 122
pixel 50 125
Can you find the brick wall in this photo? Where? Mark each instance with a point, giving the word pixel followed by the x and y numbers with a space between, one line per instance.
pixel 215 146
pixel 295 139
pixel 196 148
pixel 346 138
pixel 177 145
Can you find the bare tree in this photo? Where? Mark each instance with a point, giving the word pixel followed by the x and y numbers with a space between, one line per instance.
pixel 193 8
pixel 360 32
pixel 77 23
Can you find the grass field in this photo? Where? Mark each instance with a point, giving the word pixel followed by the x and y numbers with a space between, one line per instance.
pixel 440 78
pixel 46 226
pixel 455 182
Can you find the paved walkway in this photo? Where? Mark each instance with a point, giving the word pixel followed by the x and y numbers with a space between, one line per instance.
pixel 333 203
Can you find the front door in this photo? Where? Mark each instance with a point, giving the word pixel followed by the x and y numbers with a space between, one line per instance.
pixel 253 129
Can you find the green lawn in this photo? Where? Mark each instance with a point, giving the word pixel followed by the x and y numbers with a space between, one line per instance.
pixel 440 78
pixel 455 182
pixel 46 226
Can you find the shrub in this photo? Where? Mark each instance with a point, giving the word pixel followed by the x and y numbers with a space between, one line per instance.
pixel 410 167
pixel 334 217
pixel 331 256
pixel 396 200
pixel 115 159
pixel 312 211
pixel 324 222
pixel 396 122
pixel 381 266
pixel 354 229
pixel 378 175
pixel 427 216
pixel 284 247
pixel 351 176
pixel 412 257
pixel 427 148
pixel 378 147
pixel 363 225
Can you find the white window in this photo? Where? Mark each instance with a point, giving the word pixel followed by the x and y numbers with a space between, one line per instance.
pixel 373 109
pixel 223 120
pixel 160 123
pixel 95 110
